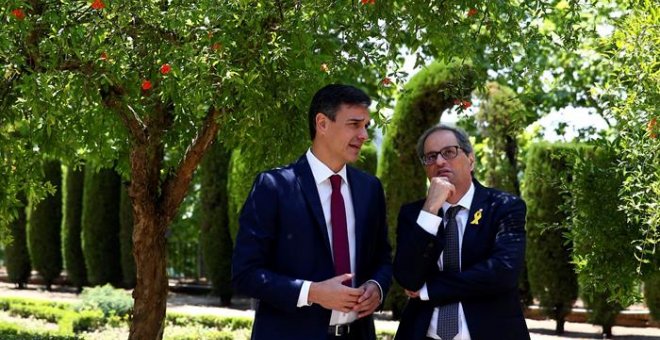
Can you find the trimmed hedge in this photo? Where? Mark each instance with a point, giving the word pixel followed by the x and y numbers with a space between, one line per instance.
pixel 44 223
pixel 17 256
pixel 100 227
pixel 368 160
pixel 551 273
pixel 68 320
pixel 215 238
pixel 72 192
pixel 126 239
pixel 9 331
pixel 601 234
pixel 425 97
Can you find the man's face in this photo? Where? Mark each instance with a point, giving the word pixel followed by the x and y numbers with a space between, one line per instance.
pixel 457 170
pixel 345 135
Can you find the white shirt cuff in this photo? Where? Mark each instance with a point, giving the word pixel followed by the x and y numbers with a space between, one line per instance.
pixel 379 288
pixel 424 293
pixel 429 222
pixel 304 294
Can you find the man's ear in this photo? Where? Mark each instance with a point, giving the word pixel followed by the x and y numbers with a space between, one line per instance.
pixel 471 159
pixel 321 122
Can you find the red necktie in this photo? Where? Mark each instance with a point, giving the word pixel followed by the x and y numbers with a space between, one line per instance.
pixel 339 231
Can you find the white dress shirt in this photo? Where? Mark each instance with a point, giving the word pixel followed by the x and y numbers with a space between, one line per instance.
pixel 322 178
pixel 431 223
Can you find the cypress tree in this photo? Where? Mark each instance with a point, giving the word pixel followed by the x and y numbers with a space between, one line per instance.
pixel 126 239
pixel 44 223
pixel 72 253
pixel 551 273
pixel 100 227
pixel 17 257
pixel 215 238
pixel 424 99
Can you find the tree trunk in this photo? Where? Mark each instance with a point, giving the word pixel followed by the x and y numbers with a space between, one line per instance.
pixel 150 293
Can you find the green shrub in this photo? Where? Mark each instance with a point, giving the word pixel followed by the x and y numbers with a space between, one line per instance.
pixel 551 272
pixel 17 257
pixel 220 322
pixel 82 321
pixel 215 239
pixel 9 331
pixel 42 312
pixel 72 192
pixel 109 300
pixel 425 97
pixel 100 226
pixel 44 223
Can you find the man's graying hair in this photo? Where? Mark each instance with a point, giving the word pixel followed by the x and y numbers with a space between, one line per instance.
pixel 461 137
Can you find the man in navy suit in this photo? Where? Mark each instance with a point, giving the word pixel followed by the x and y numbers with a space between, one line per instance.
pixel 460 250
pixel 312 245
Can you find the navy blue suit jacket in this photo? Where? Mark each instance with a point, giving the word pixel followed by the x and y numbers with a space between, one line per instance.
pixel 283 240
pixel 492 255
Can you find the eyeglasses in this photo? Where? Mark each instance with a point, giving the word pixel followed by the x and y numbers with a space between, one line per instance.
pixel 448 153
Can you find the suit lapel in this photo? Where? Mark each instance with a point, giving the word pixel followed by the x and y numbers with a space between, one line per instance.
pixel 475 220
pixel 360 204
pixel 308 187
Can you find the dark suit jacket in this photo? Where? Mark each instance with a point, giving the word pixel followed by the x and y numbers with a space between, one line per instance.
pixel 283 240
pixel 491 260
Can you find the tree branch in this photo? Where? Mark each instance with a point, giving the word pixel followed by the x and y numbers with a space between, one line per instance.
pixel 176 186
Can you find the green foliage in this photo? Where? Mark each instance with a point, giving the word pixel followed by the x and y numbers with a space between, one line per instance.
pixel 69 320
pixel 551 273
pixel 9 331
pixel 501 120
pixel 72 192
pixel 126 239
pixel 368 160
pixel 426 96
pixel 652 294
pixel 608 269
pixel 632 51
pixel 238 186
pixel 17 257
pixel 219 322
pixel 100 226
pixel 109 300
pixel 44 223
pixel 215 239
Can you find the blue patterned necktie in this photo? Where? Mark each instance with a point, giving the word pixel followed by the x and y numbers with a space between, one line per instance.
pixel 447 327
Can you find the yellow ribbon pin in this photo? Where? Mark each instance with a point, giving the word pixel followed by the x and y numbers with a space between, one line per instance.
pixel 477 217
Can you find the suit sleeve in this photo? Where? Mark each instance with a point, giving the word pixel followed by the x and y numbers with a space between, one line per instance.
pixel 251 270
pixel 496 274
pixel 417 251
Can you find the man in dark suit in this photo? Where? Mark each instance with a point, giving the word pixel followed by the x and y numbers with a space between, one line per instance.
pixel 459 250
pixel 312 244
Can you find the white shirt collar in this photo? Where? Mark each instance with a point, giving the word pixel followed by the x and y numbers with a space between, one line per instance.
pixel 321 171
pixel 465 201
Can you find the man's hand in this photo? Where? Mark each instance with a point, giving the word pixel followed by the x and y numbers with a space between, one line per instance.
pixel 369 300
pixel 411 294
pixel 439 190
pixel 332 294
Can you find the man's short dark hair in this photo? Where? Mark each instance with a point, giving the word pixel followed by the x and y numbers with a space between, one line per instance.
pixel 461 137
pixel 328 100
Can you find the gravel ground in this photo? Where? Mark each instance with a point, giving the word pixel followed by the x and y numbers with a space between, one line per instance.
pixel 192 304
